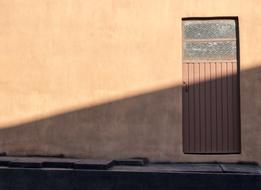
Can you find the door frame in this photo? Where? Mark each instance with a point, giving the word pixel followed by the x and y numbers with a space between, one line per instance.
pixel 236 19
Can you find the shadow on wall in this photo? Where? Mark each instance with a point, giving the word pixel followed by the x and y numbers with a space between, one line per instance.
pixel 144 125
pixel 250 84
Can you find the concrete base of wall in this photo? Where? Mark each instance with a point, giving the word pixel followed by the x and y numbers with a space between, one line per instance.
pixel 121 176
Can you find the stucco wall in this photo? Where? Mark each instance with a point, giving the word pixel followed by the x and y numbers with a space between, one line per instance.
pixel 102 79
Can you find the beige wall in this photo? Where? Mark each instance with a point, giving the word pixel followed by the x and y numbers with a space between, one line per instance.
pixel 102 79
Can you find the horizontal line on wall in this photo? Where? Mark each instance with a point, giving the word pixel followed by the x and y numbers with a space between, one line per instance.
pixel 210 40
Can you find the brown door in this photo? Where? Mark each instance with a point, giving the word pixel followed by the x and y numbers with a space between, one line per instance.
pixel 211 122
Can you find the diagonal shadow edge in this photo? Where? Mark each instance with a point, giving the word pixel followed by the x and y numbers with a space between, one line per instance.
pixel 146 124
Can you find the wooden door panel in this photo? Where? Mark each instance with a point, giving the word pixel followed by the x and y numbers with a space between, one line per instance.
pixel 210 108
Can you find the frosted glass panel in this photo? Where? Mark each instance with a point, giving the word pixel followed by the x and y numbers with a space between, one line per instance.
pixel 209 29
pixel 209 40
pixel 210 50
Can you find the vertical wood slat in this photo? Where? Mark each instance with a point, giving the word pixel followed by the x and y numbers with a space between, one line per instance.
pixel 224 103
pixel 219 108
pixel 202 95
pixel 213 107
pixel 196 108
pixel 185 108
pixel 231 135
pixel 191 107
pixel 208 108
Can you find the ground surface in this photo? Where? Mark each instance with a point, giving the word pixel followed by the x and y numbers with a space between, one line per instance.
pixel 25 173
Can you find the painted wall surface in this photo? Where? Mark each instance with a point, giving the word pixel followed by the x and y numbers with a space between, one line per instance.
pixel 101 79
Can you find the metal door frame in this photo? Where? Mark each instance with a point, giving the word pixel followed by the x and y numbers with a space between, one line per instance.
pixel 236 19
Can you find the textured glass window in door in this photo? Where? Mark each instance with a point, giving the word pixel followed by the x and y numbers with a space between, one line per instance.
pixel 209 40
